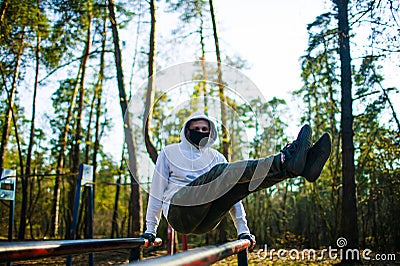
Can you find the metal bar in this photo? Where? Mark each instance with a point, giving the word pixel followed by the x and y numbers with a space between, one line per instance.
pixel 12 251
pixel 199 256
pixel 184 242
pixel 171 240
pixel 75 211
pixel 242 258
pixel 90 218
pixel 11 221
pixel 77 200
pixel 11 216
pixel 9 194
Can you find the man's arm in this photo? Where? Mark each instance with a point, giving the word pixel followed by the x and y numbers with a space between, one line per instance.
pixel 157 188
pixel 238 215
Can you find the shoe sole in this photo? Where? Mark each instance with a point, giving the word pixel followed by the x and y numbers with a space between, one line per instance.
pixel 299 160
pixel 317 157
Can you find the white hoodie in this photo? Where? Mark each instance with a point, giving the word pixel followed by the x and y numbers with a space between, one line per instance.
pixel 179 164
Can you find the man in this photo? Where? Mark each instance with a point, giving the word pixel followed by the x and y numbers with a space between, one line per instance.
pixel 195 187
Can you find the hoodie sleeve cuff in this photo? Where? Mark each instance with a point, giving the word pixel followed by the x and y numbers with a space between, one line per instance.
pixel 151 230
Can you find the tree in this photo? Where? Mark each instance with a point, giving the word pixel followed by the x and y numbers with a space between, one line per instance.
pixel 377 151
pixel 221 86
pixel 98 96
pixel 19 39
pixel 23 25
pixel 148 110
pixel 72 89
pixel 320 96
pixel 135 200
pixel 65 35
pixel 76 152
pixel 349 203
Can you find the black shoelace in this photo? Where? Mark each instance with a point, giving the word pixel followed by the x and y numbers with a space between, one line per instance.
pixel 289 149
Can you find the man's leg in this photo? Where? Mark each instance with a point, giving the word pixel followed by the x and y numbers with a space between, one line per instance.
pixel 317 156
pixel 237 180
pixel 218 190
pixel 225 184
pixel 221 206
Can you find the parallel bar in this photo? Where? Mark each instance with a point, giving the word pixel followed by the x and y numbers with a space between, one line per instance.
pixel 90 219
pixel 39 249
pixel 242 258
pixel 75 211
pixel 199 256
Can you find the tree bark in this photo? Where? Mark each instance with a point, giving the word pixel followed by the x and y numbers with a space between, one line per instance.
pixel 78 127
pixel 28 171
pixel 135 227
pixel 60 161
pixel 150 86
pixel 10 98
pixel 4 8
pixel 89 127
pixel 24 182
pixel 224 119
pixel 99 93
pixel 78 134
pixel 349 205
pixel 221 86
pixel 203 82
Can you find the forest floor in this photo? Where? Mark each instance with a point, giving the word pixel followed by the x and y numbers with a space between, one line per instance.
pixel 120 257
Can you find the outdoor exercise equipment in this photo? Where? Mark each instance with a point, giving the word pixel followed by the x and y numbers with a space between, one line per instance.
pixel 27 250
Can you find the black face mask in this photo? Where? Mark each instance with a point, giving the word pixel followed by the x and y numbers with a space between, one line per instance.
pixel 198 138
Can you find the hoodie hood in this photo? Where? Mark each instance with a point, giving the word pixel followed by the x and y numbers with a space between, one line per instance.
pixel 186 159
pixel 213 130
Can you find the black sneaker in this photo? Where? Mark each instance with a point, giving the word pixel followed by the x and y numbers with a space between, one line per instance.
pixel 317 157
pixel 295 153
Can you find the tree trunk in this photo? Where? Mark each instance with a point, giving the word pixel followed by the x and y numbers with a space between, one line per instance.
pixel 349 205
pixel 89 126
pixel 99 93
pixel 150 86
pixel 78 134
pixel 225 137
pixel 78 129
pixel 60 162
pixel 222 97
pixel 135 199
pixel 4 7
pixel 203 82
pixel 24 182
pixel 10 98
pixel 6 126
pixel 87 224
pixel 28 170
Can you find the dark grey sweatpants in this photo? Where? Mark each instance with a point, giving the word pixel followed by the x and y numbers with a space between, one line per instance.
pixel 202 204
